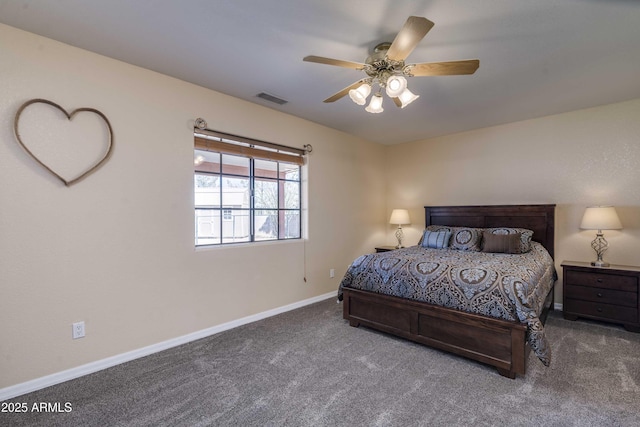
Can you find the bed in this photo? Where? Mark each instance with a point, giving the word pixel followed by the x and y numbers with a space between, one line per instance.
pixel 504 343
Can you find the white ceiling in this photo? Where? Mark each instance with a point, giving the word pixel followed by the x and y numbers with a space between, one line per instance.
pixel 536 57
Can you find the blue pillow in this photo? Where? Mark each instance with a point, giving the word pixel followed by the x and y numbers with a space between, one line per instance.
pixel 436 239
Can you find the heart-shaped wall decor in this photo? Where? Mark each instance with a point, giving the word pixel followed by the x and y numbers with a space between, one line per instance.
pixel 86 171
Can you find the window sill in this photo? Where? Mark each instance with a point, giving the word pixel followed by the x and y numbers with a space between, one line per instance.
pixel 205 248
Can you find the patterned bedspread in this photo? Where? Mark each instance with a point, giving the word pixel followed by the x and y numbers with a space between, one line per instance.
pixel 504 286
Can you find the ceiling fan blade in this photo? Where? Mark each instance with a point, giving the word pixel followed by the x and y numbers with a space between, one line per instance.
pixel 344 91
pixel 450 68
pixel 408 38
pixel 330 61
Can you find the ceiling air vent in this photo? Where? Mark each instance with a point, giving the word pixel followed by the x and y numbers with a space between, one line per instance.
pixel 271 98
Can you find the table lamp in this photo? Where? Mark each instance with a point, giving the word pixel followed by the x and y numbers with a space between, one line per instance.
pixel 600 218
pixel 399 217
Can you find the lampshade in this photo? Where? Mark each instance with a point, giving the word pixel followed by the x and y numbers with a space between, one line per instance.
pixel 396 85
pixel 600 218
pixel 400 217
pixel 407 97
pixel 375 106
pixel 359 95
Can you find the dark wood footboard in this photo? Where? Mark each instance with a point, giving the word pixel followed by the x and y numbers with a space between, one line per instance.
pixel 495 342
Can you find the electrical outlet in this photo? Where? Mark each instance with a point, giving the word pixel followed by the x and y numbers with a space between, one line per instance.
pixel 77 330
pixel 332 273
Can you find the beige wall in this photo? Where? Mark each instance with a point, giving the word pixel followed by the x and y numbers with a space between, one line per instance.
pixel 576 159
pixel 116 250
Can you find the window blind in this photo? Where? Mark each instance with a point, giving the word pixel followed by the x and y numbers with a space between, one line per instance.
pixel 210 140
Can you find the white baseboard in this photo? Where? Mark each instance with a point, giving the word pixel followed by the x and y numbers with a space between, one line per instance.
pixel 557 306
pixel 89 368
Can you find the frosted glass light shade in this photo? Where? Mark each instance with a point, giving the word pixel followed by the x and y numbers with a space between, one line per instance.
pixel 400 217
pixel 395 86
pixel 375 106
pixel 407 97
pixel 600 218
pixel 359 95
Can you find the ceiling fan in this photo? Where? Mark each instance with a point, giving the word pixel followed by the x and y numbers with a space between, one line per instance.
pixel 387 69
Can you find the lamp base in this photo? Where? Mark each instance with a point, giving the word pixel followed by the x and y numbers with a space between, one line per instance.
pixel 600 245
pixel 399 236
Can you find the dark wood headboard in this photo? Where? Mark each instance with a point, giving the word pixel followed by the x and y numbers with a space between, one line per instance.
pixel 539 218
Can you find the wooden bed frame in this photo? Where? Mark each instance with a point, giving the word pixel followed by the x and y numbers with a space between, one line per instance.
pixel 495 342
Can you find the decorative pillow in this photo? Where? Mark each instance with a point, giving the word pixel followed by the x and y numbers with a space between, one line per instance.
pixel 432 228
pixel 462 238
pixel 501 243
pixel 525 235
pixel 436 239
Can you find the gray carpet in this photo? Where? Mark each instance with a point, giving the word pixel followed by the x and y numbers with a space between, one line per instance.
pixel 308 367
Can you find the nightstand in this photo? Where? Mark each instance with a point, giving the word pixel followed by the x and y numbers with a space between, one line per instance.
pixel 385 248
pixel 608 294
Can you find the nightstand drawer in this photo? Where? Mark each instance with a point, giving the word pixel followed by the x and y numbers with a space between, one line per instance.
pixel 599 280
pixel 601 295
pixel 601 311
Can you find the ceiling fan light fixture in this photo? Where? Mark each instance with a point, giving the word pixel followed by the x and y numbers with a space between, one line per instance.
pixel 407 97
pixel 375 106
pixel 395 86
pixel 359 95
pixel 386 67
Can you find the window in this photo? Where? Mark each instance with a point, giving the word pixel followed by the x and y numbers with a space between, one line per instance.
pixel 243 193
